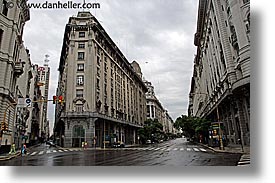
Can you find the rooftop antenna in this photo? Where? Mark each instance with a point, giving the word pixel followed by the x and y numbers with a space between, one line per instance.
pixel 46 60
pixel 82 5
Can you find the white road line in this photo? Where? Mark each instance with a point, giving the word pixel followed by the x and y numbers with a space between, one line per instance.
pixel 202 149
pixel 54 151
pixel 188 149
pixel 157 149
pixel 65 150
pixel 33 153
pixel 175 149
pixel 168 149
pixel 181 149
pixel 162 149
pixel 48 151
pixel 196 149
pixel 41 152
pixel 60 150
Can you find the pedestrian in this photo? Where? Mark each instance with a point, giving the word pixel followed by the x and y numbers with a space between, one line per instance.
pixel 85 145
pixel 24 150
pixel 12 149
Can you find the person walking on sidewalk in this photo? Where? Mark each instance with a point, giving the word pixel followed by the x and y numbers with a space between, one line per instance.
pixel 24 150
pixel 12 151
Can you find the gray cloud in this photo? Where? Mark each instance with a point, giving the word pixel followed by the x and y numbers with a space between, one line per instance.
pixel 158 32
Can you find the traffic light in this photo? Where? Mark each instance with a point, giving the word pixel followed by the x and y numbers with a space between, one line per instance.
pixel 60 99
pixel 2 126
pixel 5 127
pixel 54 99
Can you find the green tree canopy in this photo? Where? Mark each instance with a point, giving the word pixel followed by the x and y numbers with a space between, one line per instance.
pixel 191 125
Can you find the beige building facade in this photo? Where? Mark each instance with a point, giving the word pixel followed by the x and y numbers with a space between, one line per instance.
pixel 155 109
pixel 220 87
pixel 104 96
pixel 12 21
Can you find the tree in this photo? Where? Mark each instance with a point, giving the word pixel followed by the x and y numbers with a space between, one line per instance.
pixel 192 127
pixel 152 130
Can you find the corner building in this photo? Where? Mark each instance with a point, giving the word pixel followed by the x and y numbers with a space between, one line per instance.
pixel 220 88
pixel 104 96
pixel 12 22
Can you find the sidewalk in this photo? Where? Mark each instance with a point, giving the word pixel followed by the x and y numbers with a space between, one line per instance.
pixel 230 148
pixel 7 156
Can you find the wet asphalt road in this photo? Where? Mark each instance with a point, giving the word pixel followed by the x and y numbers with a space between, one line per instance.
pixel 176 152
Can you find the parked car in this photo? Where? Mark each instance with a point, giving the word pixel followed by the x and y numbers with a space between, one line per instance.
pixel 118 144
pixel 50 143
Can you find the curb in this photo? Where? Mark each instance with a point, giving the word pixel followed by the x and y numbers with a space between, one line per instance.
pixel 221 151
pixel 10 157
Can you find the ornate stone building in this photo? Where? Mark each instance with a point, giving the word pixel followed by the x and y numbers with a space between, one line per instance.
pixel 104 96
pixel 220 87
pixel 12 21
pixel 156 111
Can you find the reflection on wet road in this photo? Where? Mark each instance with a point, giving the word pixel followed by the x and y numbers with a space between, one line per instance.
pixel 176 152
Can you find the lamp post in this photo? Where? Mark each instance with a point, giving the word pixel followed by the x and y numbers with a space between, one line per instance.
pixel 218 119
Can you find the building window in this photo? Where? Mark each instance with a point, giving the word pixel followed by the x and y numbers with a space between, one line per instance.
pixel 1 36
pixel 79 107
pixel 79 93
pixel 80 67
pixel 5 8
pixel 81 34
pixel 81 45
pixel 80 80
pixel 80 56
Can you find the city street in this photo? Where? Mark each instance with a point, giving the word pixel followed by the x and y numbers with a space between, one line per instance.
pixel 178 152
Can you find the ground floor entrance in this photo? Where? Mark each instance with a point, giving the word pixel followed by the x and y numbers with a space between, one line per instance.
pixel 96 132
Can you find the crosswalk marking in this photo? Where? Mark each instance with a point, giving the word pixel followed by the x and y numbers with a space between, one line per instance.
pixel 196 149
pixel 33 153
pixel 245 160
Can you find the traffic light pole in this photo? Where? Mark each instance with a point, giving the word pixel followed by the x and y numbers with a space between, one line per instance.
pixel 14 104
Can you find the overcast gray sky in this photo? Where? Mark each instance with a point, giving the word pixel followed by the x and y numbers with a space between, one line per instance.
pixel 158 34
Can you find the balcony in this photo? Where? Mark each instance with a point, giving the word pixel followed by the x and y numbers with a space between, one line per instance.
pixel 18 68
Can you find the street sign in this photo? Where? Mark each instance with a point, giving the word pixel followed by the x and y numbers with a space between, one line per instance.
pixel 24 102
pixel 28 102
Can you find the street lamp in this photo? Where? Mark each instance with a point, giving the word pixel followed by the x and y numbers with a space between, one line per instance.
pixel 218 119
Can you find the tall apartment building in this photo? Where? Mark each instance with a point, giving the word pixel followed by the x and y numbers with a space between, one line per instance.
pixel 155 109
pixel 12 21
pixel 104 96
pixel 23 89
pixel 32 123
pixel 43 83
pixel 220 87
